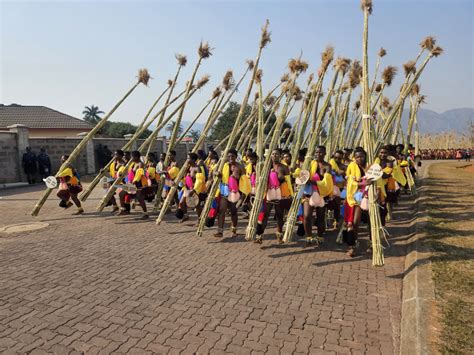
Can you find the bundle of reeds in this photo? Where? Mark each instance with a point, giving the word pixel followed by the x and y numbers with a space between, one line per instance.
pixel 145 123
pixel 369 140
pixel 202 82
pixel 310 111
pixel 228 86
pixel 296 67
pixel 341 65
pixel 246 125
pixel 326 59
pixel 407 87
pixel 143 78
pixel 182 60
pixel 204 52
pixel 353 81
pixel 416 100
pixel 303 112
pixel 264 40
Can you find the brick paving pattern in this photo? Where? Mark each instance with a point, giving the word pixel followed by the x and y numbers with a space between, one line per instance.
pixel 102 284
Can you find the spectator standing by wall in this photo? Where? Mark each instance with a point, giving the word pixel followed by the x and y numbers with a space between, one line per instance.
pixel 107 155
pixel 29 165
pixel 44 163
pixel 100 154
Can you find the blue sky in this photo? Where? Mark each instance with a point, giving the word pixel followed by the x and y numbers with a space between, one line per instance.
pixel 68 54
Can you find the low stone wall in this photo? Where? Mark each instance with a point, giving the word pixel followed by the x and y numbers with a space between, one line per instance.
pixel 56 147
pixel 14 142
pixel 9 169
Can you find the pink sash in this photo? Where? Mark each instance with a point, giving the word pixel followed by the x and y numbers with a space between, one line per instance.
pixel 273 192
pixel 131 176
pixel 316 178
pixel 234 194
pixel 189 182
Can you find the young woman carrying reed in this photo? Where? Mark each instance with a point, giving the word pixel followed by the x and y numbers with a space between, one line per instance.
pixel 319 186
pixel 278 195
pixel 356 199
pixel 228 193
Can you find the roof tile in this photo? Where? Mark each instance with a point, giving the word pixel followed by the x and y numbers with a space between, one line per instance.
pixel 39 117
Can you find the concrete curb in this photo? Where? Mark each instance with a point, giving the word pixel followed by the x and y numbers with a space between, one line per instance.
pixel 13 185
pixel 418 296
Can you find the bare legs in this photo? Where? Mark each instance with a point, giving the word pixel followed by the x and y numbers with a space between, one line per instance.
pixel 223 206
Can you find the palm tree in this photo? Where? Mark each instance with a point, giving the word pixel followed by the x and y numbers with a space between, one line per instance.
pixel 92 114
pixel 170 128
pixel 194 134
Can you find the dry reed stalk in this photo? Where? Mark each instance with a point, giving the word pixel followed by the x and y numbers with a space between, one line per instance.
pixel 296 66
pixel 415 103
pixel 387 77
pixel 269 99
pixel 380 54
pixel 143 78
pixel 171 84
pixel 147 141
pixel 104 171
pixel 406 89
pixel 204 108
pixel 369 142
pixel 260 129
pixel 264 40
pixel 342 65
pixel 341 128
pixel 312 105
pixel 245 141
pixel 314 137
pixel 214 114
pixel 182 60
pixel 303 110
pixel 246 128
pixel 417 137
pixel 227 85
pixel 204 52
pixel 427 44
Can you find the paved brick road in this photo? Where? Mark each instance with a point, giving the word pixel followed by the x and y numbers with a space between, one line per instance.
pixel 106 284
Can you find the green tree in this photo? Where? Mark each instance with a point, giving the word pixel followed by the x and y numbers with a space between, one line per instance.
pixel 226 121
pixel 194 134
pixel 92 114
pixel 119 129
pixel 170 127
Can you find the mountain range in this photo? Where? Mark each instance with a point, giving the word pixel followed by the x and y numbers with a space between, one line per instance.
pixel 458 119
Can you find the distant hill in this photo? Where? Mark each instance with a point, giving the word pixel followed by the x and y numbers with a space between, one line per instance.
pixel 457 119
pixel 429 121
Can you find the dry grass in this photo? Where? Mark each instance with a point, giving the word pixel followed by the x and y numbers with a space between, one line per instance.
pixel 451 230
